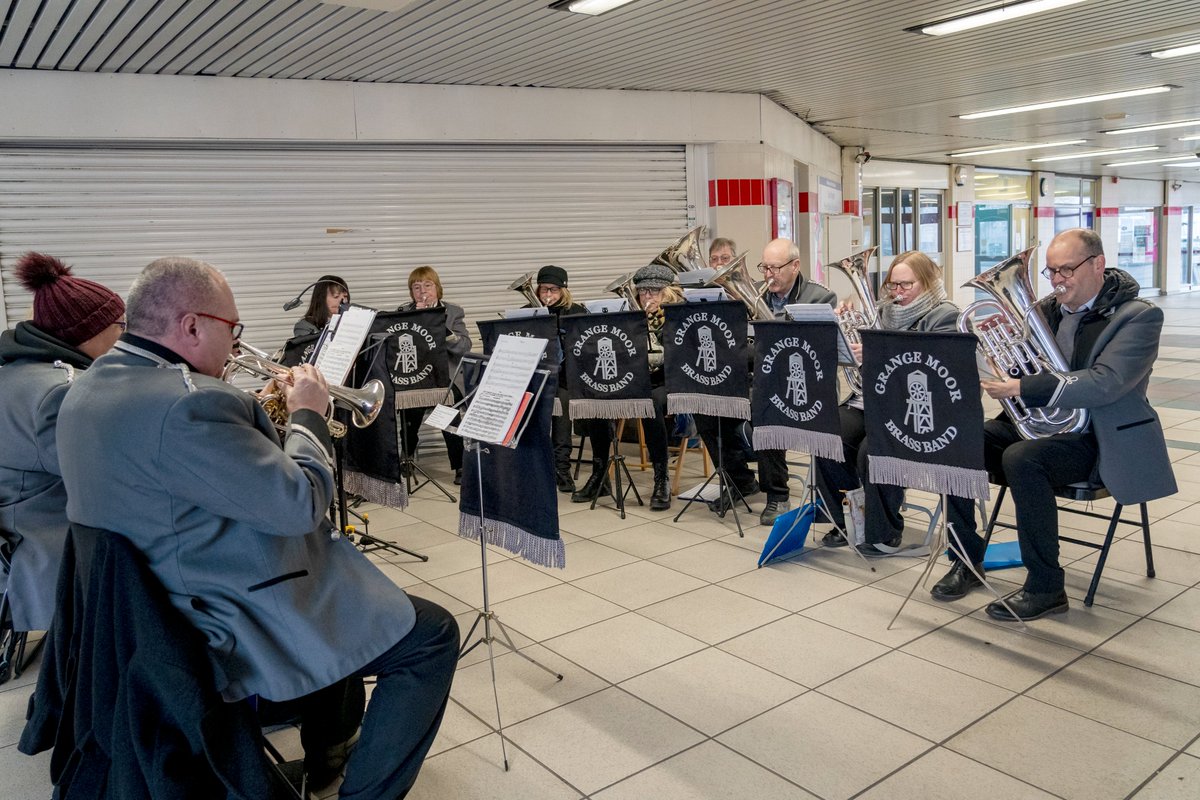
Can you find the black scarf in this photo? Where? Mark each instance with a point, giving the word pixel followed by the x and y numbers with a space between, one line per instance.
pixel 795 388
pixel 923 411
pixel 706 359
pixel 520 504
pixel 413 345
pixel 607 373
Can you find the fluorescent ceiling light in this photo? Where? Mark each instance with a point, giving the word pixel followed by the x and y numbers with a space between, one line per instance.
pixel 1003 13
pixel 1073 101
pixel 1158 126
pixel 593 8
pixel 1197 164
pixel 1094 153
pixel 1189 138
pixel 992 150
pixel 1191 157
pixel 1184 50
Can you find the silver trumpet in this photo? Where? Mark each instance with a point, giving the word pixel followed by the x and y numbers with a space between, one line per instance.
pixel 1016 341
pixel 853 320
pixel 363 404
pixel 527 285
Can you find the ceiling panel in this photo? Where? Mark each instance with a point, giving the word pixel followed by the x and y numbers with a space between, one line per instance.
pixel 849 68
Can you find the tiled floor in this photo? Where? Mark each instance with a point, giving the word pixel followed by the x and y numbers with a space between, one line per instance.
pixel 689 673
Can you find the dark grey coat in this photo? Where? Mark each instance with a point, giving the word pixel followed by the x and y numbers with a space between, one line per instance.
pixel 191 471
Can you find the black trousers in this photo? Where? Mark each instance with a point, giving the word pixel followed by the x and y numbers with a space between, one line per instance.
pixel 328 717
pixel 655 428
pixel 411 418
pixel 1032 468
pixel 560 434
pixel 881 502
pixel 772 464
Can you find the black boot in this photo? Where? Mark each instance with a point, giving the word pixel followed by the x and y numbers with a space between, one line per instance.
pixel 660 499
pixel 596 485
pixel 562 477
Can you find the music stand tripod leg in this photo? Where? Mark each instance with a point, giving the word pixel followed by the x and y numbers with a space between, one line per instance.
pixel 409 466
pixel 366 542
pixel 725 489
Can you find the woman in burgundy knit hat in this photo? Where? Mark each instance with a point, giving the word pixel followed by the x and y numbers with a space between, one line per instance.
pixel 74 321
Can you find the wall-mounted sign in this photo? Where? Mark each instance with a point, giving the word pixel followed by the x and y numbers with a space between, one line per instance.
pixel 782 210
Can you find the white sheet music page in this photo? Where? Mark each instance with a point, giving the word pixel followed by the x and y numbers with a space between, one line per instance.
pixel 338 354
pixel 823 312
pixel 502 389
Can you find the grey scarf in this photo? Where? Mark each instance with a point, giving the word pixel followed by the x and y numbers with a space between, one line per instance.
pixel 895 317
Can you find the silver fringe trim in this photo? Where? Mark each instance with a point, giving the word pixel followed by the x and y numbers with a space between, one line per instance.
pixel 610 409
pixel 557 412
pixel 385 493
pixel 936 478
pixel 709 405
pixel 782 437
pixel 534 549
pixel 419 398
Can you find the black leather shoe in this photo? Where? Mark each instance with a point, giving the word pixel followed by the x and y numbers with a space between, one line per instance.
pixel 458 477
pixel 596 486
pixel 1029 605
pixel 772 510
pixel 566 484
pixel 956 583
pixel 869 549
pixel 834 538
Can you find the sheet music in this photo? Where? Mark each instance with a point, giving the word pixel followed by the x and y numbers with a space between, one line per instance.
pixel 502 388
pixel 823 312
pixel 337 356
pixel 606 306
pixel 522 313
pixel 705 295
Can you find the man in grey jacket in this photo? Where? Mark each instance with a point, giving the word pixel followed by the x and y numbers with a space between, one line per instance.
pixel 154 447
pixel 1110 339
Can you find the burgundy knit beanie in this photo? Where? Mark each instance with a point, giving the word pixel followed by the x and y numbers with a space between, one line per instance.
pixel 70 309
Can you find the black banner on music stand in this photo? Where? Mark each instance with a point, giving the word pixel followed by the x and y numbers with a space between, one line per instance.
pixel 794 404
pixel 607 372
pixel 299 349
pixel 414 352
pixel 541 327
pixel 706 359
pixel 923 412
pixel 520 503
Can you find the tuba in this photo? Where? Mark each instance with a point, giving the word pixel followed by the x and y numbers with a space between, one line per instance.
pixel 1017 341
pixel 623 287
pixel 734 278
pixel 364 404
pixel 685 255
pixel 851 321
pixel 526 285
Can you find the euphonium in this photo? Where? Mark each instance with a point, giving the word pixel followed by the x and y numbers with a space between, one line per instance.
pixel 1017 341
pixel 685 255
pixel 734 278
pixel 852 321
pixel 364 404
pixel 526 285
pixel 623 287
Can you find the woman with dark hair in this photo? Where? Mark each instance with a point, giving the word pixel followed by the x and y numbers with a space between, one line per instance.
pixel 327 298
pixel 656 286
pixel 917 302
pixel 425 289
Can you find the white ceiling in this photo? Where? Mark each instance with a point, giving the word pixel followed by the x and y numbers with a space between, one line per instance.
pixel 848 67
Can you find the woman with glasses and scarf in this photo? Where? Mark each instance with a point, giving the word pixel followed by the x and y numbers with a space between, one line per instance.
pixel 916 302
pixel 656 286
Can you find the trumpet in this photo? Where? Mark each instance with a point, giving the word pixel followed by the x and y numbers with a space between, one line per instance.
pixel 363 404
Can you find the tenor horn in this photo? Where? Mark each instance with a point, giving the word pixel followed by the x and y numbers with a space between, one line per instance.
pixel 363 404
pixel 734 278
pixel 527 285
pixel 1016 340
pixel 623 287
pixel 853 320
pixel 685 255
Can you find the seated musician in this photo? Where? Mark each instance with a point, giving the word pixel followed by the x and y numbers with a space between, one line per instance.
pixel 786 286
pixel 74 321
pixel 1110 339
pixel 552 291
pixel 327 298
pixel 916 302
pixel 154 447
pixel 656 286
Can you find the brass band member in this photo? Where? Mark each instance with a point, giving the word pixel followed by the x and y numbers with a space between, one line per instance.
pixel 918 303
pixel 656 286
pixel 1110 339
pixel 326 300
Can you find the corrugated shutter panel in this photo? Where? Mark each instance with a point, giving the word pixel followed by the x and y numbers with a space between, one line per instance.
pixel 276 218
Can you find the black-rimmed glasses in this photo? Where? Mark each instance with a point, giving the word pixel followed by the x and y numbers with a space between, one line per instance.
pixel 235 328
pixel 902 286
pixel 771 269
pixel 1065 272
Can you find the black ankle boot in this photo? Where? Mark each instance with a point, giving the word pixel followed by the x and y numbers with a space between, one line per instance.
pixel 562 477
pixel 596 486
pixel 660 499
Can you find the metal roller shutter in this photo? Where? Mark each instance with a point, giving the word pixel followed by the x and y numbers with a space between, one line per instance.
pixel 275 218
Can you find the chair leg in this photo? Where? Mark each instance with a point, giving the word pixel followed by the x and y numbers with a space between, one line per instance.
pixel 987 534
pixel 1108 538
pixel 579 455
pixel 1146 542
pixel 642 453
pixel 679 454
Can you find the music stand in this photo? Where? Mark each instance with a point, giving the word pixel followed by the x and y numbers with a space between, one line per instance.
pixel 726 487
pixel 486 615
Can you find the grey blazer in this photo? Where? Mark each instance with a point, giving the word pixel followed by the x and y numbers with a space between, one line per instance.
pixel 190 470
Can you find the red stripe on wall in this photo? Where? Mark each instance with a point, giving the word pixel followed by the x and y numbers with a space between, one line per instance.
pixel 722 192
pixel 806 202
pixel 1107 212
pixel 851 207
pixel 758 192
pixel 1173 211
pixel 1044 211
pixel 712 193
pixel 737 192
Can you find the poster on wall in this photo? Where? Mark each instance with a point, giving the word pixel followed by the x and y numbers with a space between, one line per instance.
pixel 829 195
pixel 782 216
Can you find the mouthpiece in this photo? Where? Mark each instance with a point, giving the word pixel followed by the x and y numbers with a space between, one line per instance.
pixel 1059 289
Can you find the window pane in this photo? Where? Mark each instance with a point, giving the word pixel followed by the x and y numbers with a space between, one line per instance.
pixel 887 222
pixel 1137 244
pixel 868 214
pixel 931 222
pixel 907 216
pixel 1067 217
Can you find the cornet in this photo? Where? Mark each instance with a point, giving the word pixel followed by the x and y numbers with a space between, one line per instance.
pixel 363 404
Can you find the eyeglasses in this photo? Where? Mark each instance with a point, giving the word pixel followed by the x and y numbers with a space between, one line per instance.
pixel 720 259
pixel 122 324
pixel 1065 272
pixel 235 328
pixel 769 269
pixel 902 286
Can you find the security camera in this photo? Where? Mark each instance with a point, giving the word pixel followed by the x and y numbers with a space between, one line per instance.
pixel 1176 186
pixel 863 156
